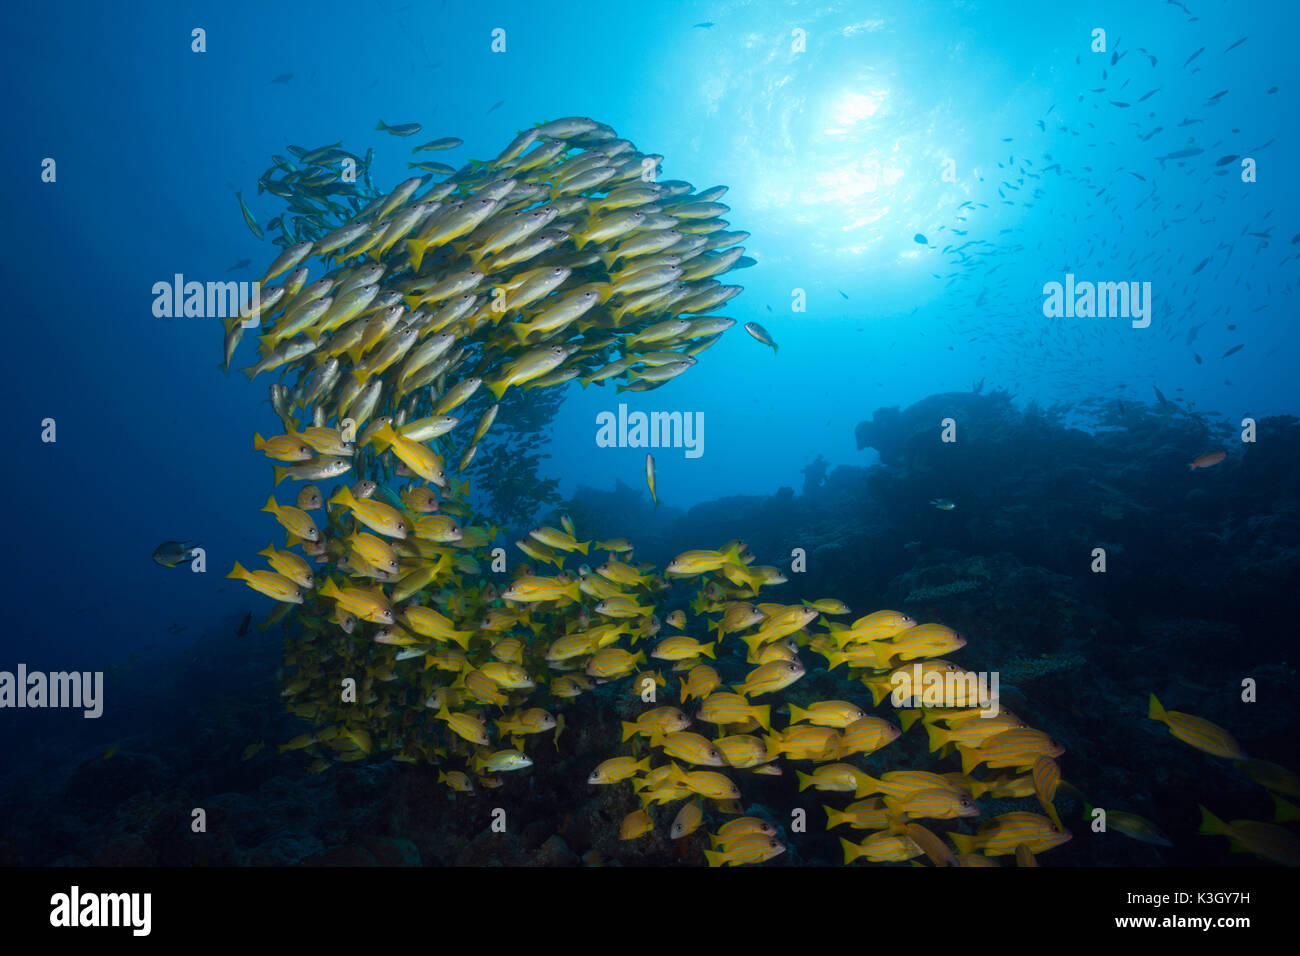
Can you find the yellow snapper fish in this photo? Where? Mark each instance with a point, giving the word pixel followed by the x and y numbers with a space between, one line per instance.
pixel 1200 733
pixel 296 521
pixel 502 760
pixel 463 277
pixel 617 769
pixel 1001 835
pixel 290 566
pixel 270 583
pixel 369 605
pixel 416 456
pixel 376 515
pixel 1249 836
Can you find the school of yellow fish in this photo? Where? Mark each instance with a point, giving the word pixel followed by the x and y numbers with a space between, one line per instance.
pixel 1265 840
pixel 563 258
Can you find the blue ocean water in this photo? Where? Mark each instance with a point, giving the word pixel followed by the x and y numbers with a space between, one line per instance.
pixel 911 174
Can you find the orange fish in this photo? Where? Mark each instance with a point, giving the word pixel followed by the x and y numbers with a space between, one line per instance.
pixel 1208 460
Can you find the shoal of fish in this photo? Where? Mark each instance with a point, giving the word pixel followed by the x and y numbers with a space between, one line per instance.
pixel 565 257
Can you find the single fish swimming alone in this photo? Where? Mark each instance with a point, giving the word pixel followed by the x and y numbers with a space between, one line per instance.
pixel 1208 460
pixel 401 129
pixel 761 334
pixel 249 220
pixel 943 504
pixel 171 553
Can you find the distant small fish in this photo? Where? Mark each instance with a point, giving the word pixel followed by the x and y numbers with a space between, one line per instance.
pixel 1145 96
pixel 1235 348
pixel 1216 96
pixel 110 752
pixel 495 105
pixel 1237 44
pixel 446 142
pixel 943 504
pixel 1200 267
pixel 1273 776
pixel 703 26
pixel 921 239
pixel 401 129
pixel 1119 104
pixel 1181 153
pixel 283 78
pixel 841 292
pixel 1197 357
pixel 241 264
pixel 243 625
pixel 1261 839
pixel 1194 56
pixel 1225 160
pixel 1208 460
pixel 439 169
pixel 1139 828
pixel 650 478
